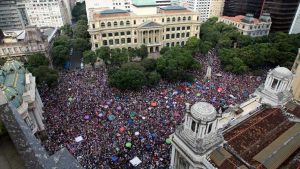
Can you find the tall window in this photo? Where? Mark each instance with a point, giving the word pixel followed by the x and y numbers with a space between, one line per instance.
pixel 109 24
pixel 127 23
pixel 115 23
pixel 102 25
pixel 209 128
pixel 193 127
pixel 121 23
pixel 275 81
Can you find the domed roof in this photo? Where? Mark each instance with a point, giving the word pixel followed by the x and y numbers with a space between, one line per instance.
pixel 13 66
pixel 282 71
pixel 203 111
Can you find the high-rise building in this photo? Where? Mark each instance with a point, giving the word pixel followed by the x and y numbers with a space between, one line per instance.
pixel 295 28
pixel 282 11
pixel 148 24
pixel 48 13
pixel 12 14
pixel 121 4
pixel 206 8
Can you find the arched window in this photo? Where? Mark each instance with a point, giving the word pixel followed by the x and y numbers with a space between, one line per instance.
pixel 179 19
pixel 193 127
pixel 168 19
pixel 127 22
pixel 121 23
pixel 102 25
pixel 115 23
pixel 209 128
pixel 189 18
pixel 173 19
pixel 184 18
pixel 109 24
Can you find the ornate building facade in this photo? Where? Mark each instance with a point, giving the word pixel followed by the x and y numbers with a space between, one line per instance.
pixel 276 90
pixel 17 43
pixel 18 87
pixel 150 25
pixel 196 138
pixel 248 25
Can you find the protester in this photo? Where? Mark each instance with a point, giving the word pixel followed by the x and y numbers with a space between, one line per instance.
pixel 84 105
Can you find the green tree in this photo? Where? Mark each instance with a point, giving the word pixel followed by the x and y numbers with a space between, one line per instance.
pixel 164 50
pixel 104 53
pixel 37 60
pixel 46 75
pixel 153 78
pixel 192 44
pixel 204 46
pixel 143 52
pixel 62 40
pixel 149 64
pixel 80 44
pixel 175 63
pixel 78 10
pixel 89 57
pixel 81 32
pixel 67 30
pixel 60 55
pixel 130 76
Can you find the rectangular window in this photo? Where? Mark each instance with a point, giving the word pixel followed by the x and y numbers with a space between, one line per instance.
pixel 128 40
pixel 173 36
pixel 178 35
pixel 122 40
pixel 116 33
pixel 173 29
pixel 111 42
pixel 95 37
pixel 96 45
pixel 182 35
pixel 135 40
pixel 188 34
pixel 183 28
pixel 117 41
pixel 122 33
pixel 93 25
pixel 188 28
pixel 168 29
pixel 168 36
pixel 110 34
pixel 128 33
pixel 178 28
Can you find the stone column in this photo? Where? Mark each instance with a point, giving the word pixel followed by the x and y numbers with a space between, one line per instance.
pixel 173 156
pixel 39 118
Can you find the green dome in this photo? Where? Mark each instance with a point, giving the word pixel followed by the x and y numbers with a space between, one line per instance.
pixel 13 66
pixel 12 96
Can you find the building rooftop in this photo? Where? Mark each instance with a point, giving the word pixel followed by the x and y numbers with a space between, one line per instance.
pixel 113 11
pixel 173 8
pixel 12 82
pixel 143 2
pixel 239 18
pixel 259 141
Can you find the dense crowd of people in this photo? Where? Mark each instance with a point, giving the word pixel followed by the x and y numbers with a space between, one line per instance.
pixel 84 105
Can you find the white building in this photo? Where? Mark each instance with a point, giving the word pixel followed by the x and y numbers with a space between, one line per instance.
pixel 19 43
pixel 276 91
pixel 196 138
pixel 206 8
pixel 295 28
pixel 248 25
pixel 18 87
pixel 121 4
pixel 48 13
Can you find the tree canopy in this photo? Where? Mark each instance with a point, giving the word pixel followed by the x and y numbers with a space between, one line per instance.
pixel 79 11
pixel 251 53
pixel 38 65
